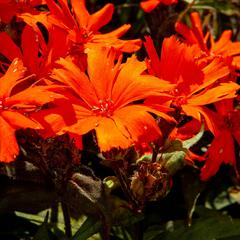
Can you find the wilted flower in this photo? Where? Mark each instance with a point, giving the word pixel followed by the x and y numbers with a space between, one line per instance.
pixel 150 182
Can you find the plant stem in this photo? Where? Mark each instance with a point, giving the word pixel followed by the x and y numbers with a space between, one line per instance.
pixel 67 221
pixel 54 214
pixel 126 188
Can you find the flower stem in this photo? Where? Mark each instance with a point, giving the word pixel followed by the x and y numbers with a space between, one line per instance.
pixel 67 221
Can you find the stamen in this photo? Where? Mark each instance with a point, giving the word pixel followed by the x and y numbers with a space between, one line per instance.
pixel 104 108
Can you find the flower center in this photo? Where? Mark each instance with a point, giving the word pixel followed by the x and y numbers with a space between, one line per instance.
pixel 105 108
pixel 178 101
pixel 83 36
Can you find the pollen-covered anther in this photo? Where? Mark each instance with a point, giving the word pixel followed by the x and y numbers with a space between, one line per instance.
pixel 104 108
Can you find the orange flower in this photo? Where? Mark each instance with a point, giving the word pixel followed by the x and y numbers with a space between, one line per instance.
pixel 196 86
pixel 10 8
pixel 149 5
pixel 36 55
pixel 15 106
pixel 109 100
pixel 222 48
pixel 82 28
pixel 222 147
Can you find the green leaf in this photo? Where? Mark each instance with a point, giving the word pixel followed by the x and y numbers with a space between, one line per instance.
pixel 121 233
pixel 173 156
pixel 152 232
pixel 87 229
pixel 225 7
pixel 174 152
pixel 192 141
pixel 191 189
pixel 47 232
pixel 43 231
pixel 121 214
pixel 209 226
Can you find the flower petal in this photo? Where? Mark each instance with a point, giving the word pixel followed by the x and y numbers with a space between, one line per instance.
pixel 223 91
pixel 72 76
pixel 30 49
pixel 209 117
pixel 109 136
pixel 113 34
pixel 37 95
pixel 100 18
pixel 12 77
pixel 60 14
pixel 212 72
pixel 18 120
pixel 220 151
pixel 54 119
pixel 81 13
pixel 149 5
pixel 103 76
pixel 152 53
pixel 130 85
pixel 8 48
pixel 139 125
pixel 8 145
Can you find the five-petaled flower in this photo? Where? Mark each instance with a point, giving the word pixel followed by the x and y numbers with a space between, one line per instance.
pixel 110 99
pixel 195 85
pixel 82 29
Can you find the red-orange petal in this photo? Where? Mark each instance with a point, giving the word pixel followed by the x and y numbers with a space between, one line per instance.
pixel 100 18
pixel 223 91
pixel 220 151
pixel 72 76
pixel 149 5
pixel 37 95
pixel 81 13
pixel 139 125
pixel 104 75
pixel 8 48
pixel 200 113
pixel 109 135
pixel 8 145
pixel 10 79
pixel 30 49
pixel 18 120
